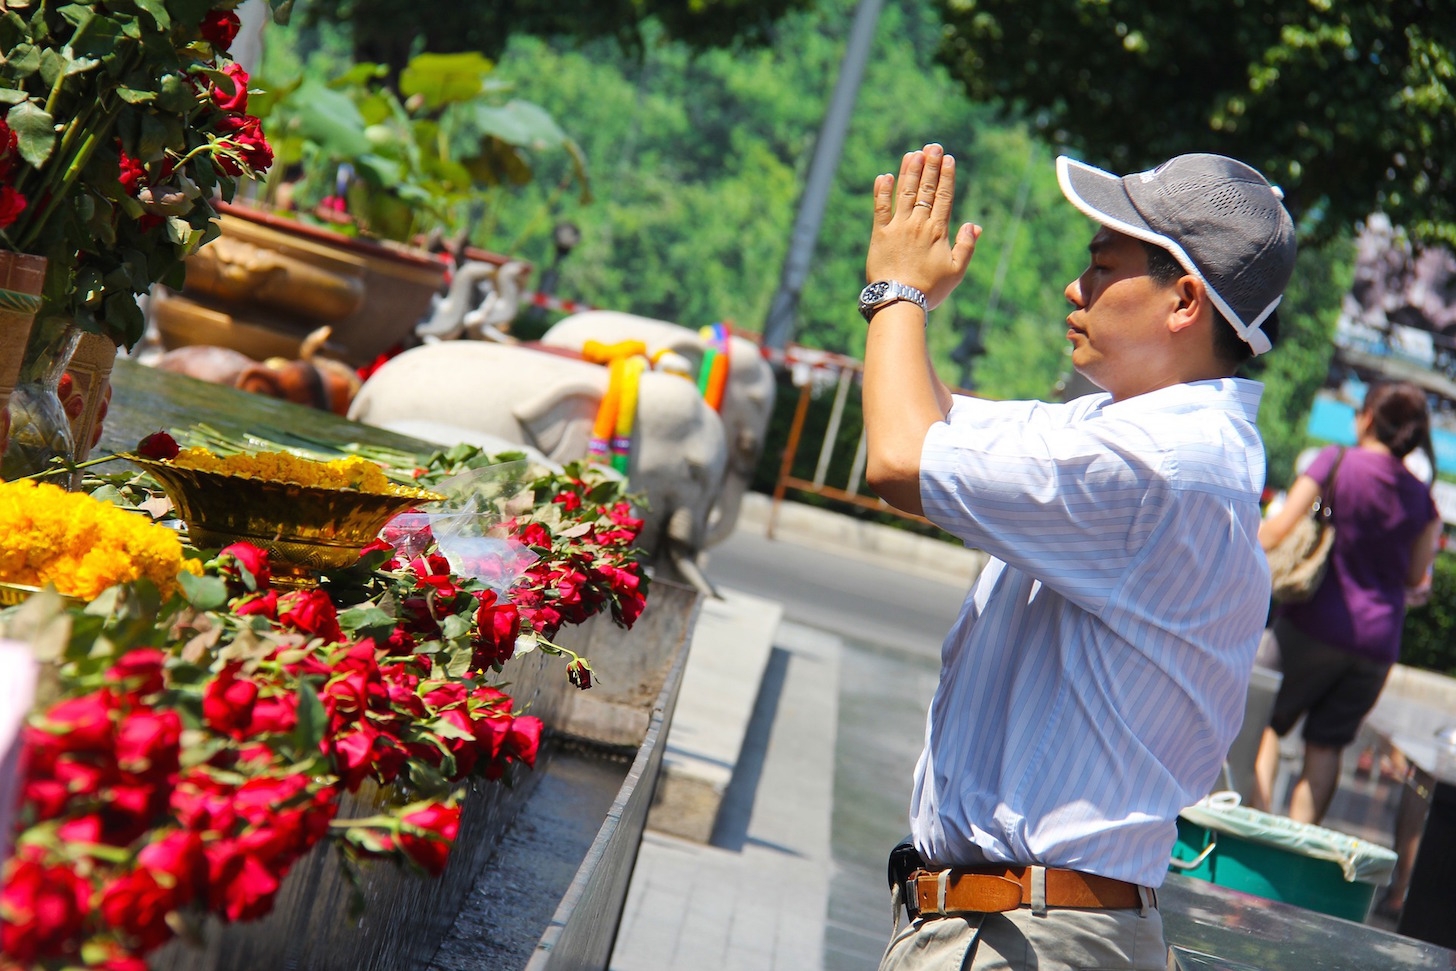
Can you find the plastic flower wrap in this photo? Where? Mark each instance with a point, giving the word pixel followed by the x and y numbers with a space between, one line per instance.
pixel 470 526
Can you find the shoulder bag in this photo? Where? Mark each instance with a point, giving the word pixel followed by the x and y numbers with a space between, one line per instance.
pixel 1297 565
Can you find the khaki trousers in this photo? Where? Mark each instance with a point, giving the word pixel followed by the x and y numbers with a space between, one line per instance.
pixel 1060 940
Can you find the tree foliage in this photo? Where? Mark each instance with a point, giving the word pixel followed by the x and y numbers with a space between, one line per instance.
pixel 390 31
pixel 1349 104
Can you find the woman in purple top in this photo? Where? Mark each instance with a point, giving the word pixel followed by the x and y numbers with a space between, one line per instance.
pixel 1337 648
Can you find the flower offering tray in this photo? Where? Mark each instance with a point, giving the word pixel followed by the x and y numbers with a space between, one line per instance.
pixel 304 528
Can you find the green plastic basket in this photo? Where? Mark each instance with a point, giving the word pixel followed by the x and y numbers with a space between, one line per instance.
pixel 1278 859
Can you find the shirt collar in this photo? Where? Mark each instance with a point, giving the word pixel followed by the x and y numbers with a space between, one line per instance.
pixel 1238 396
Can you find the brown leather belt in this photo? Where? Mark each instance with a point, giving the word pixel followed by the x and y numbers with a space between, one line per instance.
pixel 994 889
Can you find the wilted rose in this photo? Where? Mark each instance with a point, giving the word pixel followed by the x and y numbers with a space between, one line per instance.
pixel 158 446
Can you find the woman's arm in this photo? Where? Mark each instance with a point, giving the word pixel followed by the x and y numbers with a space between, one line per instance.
pixel 1423 553
pixel 1297 505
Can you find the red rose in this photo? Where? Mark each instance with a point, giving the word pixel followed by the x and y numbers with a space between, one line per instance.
pixel 158 446
pixel 234 101
pixel 427 834
pixel 241 562
pixel 137 904
pixel 352 755
pixel 568 501
pixel 534 534
pixel 138 672
pixel 227 702
pixel 43 908
pixel 310 612
pixel 8 143
pixel 246 134
pixel 85 721
pixel 12 204
pixel 264 604
pixel 524 739
pixel 177 858
pixel 497 625
pixel 239 886
pixel 131 174
pixel 219 28
pixel 146 743
pixel 274 716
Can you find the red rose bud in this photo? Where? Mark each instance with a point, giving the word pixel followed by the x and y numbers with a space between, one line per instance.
pixel 220 28
pixel 236 101
pixel 310 612
pixel 579 673
pixel 427 835
pixel 158 446
pixel 245 564
pixel 524 739
pixel 138 673
pixel 227 702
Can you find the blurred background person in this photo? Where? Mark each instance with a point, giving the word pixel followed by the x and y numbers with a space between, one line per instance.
pixel 1336 649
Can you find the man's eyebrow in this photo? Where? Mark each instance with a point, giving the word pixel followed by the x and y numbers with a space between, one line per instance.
pixel 1098 245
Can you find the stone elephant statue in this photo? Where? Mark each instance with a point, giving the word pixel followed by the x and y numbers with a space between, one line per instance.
pixel 747 402
pixel 549 401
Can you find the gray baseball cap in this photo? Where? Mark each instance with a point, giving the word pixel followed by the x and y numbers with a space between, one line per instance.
pixel 1222 221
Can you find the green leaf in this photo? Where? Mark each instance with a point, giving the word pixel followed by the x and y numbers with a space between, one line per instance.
pixel 312 720
pixel 443 79
pixel 518 123
pixel 454 626
pixel 367 621
pixel 447 729
pixel 157 10
pixel 34 132
pixel 134 97
pixel 203 593
pixel 326 117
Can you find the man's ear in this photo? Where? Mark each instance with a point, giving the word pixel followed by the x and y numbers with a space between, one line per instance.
pixel 1193 303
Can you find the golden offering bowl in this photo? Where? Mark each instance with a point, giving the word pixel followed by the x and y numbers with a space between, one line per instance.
pixel 18 593
pixel 303 528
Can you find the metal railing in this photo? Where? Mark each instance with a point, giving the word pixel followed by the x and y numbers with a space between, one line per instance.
pixel 811 369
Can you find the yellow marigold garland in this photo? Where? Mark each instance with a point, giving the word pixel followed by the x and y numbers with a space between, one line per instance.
pixel 352 472
pixel 81 545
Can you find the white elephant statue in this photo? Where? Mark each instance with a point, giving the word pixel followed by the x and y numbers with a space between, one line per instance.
pixel 549 401
pixel 747 404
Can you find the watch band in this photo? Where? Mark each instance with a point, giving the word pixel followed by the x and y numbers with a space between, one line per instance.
pixel 882 293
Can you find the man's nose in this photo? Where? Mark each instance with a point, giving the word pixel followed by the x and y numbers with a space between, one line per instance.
pixel 1074 292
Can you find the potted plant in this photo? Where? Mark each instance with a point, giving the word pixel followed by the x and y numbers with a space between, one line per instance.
pixel 364 170
pixel 124 123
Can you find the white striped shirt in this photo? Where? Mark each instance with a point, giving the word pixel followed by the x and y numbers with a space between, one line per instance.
pixel 1097 674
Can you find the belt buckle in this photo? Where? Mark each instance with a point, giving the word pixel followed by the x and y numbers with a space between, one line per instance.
pixel 912 897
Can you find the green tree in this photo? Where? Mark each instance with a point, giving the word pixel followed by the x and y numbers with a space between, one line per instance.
pixel 1348 104
pixel 391 31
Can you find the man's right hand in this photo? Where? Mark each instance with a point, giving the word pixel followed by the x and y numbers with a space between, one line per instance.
pixel 910 241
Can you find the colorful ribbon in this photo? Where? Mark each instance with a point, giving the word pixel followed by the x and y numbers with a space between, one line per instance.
pixel 611 441
pixel 713 375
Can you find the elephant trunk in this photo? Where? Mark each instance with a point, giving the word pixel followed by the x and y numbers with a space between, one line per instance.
pixel 681 543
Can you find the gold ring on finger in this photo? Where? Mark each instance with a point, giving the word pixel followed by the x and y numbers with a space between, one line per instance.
pixel 922 202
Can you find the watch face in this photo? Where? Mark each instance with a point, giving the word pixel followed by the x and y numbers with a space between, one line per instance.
pixel 873 293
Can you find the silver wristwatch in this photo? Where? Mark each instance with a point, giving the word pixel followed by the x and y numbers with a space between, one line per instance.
pixel 885 292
